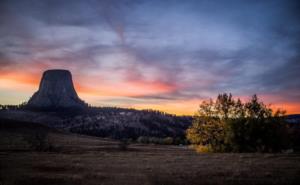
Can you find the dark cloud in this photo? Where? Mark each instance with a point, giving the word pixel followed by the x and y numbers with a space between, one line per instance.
pixel 4 61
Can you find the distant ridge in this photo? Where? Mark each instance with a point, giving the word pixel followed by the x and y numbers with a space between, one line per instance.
pixel 56 91
pixel 293 118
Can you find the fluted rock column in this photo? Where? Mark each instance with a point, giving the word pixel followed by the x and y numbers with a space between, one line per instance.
pixel 56 90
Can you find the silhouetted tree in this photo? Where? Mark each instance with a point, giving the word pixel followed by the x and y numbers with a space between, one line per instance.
pixel 229 125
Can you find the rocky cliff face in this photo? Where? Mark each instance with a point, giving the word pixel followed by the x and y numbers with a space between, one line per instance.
pixel 56 91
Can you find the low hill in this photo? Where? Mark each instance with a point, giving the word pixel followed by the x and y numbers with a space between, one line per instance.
pixel 293 118
pixel 116 123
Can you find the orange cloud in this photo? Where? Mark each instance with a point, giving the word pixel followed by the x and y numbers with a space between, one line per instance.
pixel 278 101
pixel 178 107
pixel 96 88
pixel 290 108
pixel 129 88
pixel 19 77
pixel 281 101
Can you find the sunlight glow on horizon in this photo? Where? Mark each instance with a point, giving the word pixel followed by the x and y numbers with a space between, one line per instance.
pixel 24 86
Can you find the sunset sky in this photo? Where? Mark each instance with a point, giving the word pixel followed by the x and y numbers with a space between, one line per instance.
pixel 165 55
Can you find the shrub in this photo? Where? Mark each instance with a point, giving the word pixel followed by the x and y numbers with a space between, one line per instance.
pixel 156 140
pixel 203 148
pixel 142 139
pixel 168 141
pixel 207 132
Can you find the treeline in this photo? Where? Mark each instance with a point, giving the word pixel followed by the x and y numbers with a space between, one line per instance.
pixel 229 125
pixel 162 141
pixel 122 123
pixel 114 122
pixel 128 124
pixel 13 107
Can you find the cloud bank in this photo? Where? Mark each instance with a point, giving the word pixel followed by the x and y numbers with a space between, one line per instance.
pixel 154 54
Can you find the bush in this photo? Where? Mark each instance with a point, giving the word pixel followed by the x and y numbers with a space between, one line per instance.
pixel 142 139
pixel 203 148
pixel 168 141
pixel 156 140
pixel 207 132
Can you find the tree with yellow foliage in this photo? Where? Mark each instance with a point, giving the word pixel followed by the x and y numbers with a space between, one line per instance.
pixel 230 125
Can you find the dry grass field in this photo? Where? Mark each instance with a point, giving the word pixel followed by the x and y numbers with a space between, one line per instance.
pixel 82 160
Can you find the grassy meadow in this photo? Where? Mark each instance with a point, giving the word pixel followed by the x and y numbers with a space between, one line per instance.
pixel 83 160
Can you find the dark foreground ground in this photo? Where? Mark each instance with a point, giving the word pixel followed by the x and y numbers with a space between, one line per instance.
pixel 81 160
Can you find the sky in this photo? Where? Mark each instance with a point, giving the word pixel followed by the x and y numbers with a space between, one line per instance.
pixel 154 54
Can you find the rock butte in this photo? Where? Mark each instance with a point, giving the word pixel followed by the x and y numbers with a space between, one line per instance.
pixel 56 90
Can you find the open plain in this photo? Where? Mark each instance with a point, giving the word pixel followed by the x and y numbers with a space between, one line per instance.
pixel 83 160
